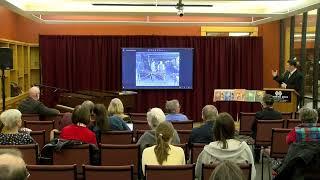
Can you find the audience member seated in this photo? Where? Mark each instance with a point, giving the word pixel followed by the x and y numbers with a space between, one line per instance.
pixel 67 117
pixel 173 108
pixel 103 123
pixel 204 133
pixel 163 153
pixel 227 170
pixel 267 113
pixel 308 130
pixel 303 158
pixel 65 120
pixel 10 135
pixel 225 147
pixel 154 117
pixel 116 110
pixel 78 130
pixel 32 105
pixel 12 166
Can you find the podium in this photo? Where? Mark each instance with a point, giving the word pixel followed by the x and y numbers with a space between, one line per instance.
pixel 285 100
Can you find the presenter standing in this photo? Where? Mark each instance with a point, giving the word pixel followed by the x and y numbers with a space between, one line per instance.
pixel 291 79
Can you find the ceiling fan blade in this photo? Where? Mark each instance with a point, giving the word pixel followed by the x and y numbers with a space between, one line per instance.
pixel 149 5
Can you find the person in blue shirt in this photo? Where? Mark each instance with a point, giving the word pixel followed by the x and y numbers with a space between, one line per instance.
pixel 173 109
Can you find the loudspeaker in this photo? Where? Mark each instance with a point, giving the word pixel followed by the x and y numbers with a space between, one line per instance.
pixel 6 58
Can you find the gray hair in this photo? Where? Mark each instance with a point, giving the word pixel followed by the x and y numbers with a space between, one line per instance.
pixel 155 116
pixel 34 92
pixel 172 106
pixel 308 115
pixel 88 104
pixel 209 112
pixel 12 166
pixel 10 118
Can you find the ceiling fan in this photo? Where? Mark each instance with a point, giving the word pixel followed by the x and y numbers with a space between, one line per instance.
pixel 178 6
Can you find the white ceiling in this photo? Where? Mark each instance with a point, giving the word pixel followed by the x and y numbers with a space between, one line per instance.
pixel 222 12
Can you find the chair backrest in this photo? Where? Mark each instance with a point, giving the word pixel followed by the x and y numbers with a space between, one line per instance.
pixel 140 125
pixel 56 119
pixel 279 147
pixel 120 155
pixel 208 168
pixel 39 126
pixel 76 154
pixel 30 117
pixel 291 123
pixel 183 125
pixel 29 152
pixel 52 172
pixel 39 137
pixel 246 122
pixel 264 131
pixel 138 116
pixel 287 115
pixel 196 149
pixel 117 137
pixel 184 135
pixel 108 172
pixel 158 172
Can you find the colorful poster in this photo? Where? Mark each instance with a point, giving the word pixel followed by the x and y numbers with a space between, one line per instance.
pixel 218 95
pixel 259 95
pixel 250 95
pixel 228 95
pixel 239 94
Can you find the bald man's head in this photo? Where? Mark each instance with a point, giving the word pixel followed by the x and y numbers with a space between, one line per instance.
pixel 34 93
pixel 12 167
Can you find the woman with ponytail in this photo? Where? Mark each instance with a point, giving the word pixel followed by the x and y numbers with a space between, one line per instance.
pixel 163 153
pixel 225 147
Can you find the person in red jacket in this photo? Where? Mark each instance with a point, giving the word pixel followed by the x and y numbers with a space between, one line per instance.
pixel 307 131
pixel 78 130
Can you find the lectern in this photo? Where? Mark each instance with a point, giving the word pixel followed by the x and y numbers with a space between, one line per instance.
pixel 285 100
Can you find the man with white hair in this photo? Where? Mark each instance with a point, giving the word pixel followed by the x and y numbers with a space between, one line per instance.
pixel 173 108
pixel 154 117
pixel 32 105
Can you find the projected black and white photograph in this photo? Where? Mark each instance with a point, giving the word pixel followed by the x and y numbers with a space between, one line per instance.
pixel 157 68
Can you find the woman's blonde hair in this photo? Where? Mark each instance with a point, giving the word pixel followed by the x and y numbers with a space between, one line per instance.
pixel 10 118
pixel 115 107
pixel 164 133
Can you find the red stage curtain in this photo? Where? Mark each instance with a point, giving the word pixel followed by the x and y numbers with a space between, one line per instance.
pixel 94 62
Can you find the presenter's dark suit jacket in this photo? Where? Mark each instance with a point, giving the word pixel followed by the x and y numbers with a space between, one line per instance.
pixel 31 106
pixel 202 134
pixel 265 114
pixel 294 82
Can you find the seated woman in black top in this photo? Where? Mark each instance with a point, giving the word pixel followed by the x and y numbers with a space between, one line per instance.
pixel 103 123
pixel 10 135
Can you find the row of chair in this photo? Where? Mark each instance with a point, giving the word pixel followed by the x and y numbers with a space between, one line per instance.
pixel 153 172
pixel 247 123
pixel 47 126
pixel 111 154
